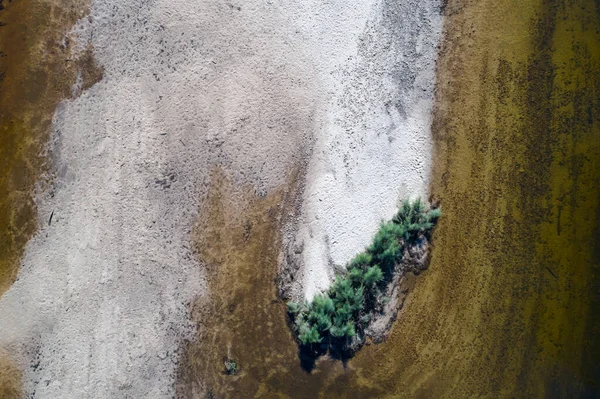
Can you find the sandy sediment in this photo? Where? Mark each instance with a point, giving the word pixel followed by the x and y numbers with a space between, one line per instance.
pixel 376 64
pixel 100 307
pixel 102 302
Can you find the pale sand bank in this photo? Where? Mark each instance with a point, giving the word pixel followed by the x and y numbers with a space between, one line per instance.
pixel 376 64
pixel 100 307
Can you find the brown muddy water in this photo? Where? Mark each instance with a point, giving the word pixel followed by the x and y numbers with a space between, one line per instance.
pixel 510 304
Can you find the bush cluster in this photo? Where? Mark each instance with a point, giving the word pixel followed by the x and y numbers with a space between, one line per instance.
pixel 337 316
pixel 231 367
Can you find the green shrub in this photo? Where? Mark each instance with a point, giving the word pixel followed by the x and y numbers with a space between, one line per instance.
pixel 231 366
pixel 338 315
pixel 386 248
pixel 356 276
pixel 344 330
pixel 372 276
pixel 309 335
pixel 361 261
pixel 294 308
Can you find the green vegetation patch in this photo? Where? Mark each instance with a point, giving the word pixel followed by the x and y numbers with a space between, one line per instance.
pixel 337 319
pixel 231 367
